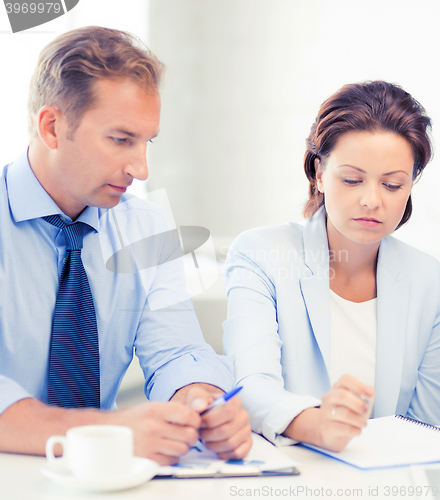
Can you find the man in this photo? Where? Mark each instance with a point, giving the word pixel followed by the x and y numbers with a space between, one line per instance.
pixel 68 324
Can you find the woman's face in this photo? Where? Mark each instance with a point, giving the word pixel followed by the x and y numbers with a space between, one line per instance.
pixel 366 182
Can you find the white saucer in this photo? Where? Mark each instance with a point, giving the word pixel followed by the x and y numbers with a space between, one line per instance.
pixel 142 470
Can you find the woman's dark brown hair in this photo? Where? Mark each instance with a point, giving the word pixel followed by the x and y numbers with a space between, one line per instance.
pixel 366 106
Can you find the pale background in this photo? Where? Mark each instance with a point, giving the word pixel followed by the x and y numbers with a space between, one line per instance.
pixel 244 82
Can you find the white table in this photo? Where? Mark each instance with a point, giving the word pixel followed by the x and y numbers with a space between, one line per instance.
pixel 21 479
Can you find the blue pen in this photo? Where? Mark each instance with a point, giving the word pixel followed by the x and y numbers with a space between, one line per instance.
pixel 222 399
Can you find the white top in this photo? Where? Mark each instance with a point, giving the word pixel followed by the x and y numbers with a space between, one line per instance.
pixel 353 339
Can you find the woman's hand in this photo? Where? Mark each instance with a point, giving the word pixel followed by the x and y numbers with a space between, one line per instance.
pixel 344 412
pixel 342 415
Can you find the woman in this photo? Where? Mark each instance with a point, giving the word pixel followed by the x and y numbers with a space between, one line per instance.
pixel 334 320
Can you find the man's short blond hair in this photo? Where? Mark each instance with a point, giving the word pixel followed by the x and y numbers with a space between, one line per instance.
pixel 69 65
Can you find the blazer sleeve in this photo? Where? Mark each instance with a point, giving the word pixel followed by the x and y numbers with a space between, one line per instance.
pixel 251 338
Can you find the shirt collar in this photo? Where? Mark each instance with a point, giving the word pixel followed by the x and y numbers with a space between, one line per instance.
pixel 29 200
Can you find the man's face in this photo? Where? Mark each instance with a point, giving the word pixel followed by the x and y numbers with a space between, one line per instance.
pixel 108 149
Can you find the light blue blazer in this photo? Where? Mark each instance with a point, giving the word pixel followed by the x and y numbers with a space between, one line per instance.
pixel 278 326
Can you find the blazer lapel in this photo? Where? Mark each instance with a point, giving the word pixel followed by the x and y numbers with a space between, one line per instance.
pixel 392 313
pixel 315 283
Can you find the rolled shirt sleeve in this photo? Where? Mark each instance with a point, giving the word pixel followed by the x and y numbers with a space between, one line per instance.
pixel 10 393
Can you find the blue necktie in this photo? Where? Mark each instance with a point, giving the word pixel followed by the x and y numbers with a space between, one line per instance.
pixel 74 346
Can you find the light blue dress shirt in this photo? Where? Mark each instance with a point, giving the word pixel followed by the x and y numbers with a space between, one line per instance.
pixel 148 309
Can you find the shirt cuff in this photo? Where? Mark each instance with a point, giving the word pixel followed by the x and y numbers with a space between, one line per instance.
pixel 188 369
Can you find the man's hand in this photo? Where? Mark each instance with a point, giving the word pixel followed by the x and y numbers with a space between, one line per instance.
pixel 225 429
pixel 342 415
pixel 162 431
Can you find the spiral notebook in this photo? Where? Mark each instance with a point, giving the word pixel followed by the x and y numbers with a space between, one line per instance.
pixel 391 442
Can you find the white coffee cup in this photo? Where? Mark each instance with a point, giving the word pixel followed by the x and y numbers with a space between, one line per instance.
pixel 95 451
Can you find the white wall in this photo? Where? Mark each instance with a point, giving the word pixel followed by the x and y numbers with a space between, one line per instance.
pixel 245 81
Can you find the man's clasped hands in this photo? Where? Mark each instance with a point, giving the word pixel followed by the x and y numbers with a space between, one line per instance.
pixel 165 431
